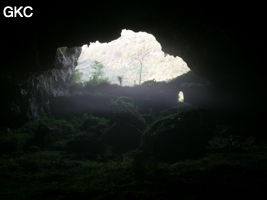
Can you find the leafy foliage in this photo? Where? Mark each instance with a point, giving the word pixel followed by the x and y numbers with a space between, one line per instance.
pixel 97 76
pixel 173 137
pixel 51 175
pixel 117 155
pixel 12 142
pixel 77 77
pixel 120 78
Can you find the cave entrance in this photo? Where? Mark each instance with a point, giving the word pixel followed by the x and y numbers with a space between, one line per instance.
pixel 132 59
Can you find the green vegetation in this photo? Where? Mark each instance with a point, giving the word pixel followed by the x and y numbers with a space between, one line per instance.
pixel 128 152
pixel 127 111
pixel 53 175
pixel 77 77
pixel 97 76
pixel 120 78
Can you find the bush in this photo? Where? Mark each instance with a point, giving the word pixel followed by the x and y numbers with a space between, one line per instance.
pixel 178 136
pixel 94 124
pixel 126 132
pixel 122 138
pixel 125 111
pixel 85 146
pixel 77 77
pixel 230 143
pixel 50 133
pixel 13 142
pixel 150 83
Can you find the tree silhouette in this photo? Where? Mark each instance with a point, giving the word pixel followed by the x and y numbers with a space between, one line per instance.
pixel 98 71
pixel 120 79
pixel 97 75
pixel 140 58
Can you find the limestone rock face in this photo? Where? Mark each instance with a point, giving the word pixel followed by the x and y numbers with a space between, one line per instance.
pixel 34 93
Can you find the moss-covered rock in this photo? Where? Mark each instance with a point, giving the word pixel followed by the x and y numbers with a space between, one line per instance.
pixel 122 138
pixel 85 146
pixel 125 111
pixel 178 136
pixel 95 124
pixel 126 132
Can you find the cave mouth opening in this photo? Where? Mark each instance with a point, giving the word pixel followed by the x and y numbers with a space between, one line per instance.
pixel 132 59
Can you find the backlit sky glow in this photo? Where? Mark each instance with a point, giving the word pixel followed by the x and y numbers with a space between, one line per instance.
pixel 124 56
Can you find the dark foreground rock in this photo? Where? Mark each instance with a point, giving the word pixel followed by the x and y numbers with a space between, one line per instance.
pixel 178 136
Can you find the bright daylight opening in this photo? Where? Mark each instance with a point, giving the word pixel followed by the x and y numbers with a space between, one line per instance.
pixel 181 97
pixel 130 60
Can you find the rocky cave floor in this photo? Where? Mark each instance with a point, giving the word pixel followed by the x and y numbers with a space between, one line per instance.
pixel 178 153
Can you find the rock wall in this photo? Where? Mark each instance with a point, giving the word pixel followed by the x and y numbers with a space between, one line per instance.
pixel 31 96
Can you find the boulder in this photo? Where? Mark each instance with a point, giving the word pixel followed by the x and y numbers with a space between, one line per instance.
pixel 178 136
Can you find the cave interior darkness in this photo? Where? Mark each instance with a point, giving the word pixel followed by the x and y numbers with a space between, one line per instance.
pixel 213 41
pixel 138 128
pixel 223 44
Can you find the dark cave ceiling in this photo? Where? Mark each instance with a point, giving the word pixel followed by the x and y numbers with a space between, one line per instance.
pixel 219 42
